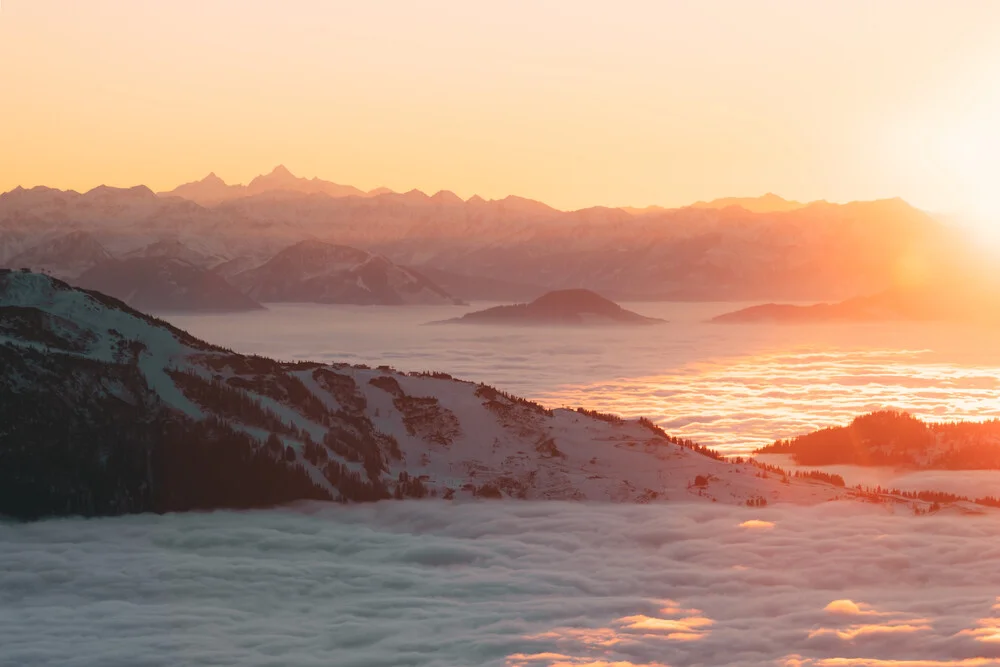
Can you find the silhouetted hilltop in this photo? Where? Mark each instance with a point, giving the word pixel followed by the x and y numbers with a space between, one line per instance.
pixel 928 303
pixel 564 307
pixel 895 438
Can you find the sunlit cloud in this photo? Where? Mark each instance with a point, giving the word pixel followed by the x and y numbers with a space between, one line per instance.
pixel 688 625
pixel 738 404
pixel 559 660
pixel 681 629
pixel 602 637
pixel 988 630
pixel 876 662
pixel 757 524
pixel 888 623
pixel 852 608
pixel 863 629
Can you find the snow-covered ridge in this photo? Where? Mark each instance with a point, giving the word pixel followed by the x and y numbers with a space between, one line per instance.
pixel 348 432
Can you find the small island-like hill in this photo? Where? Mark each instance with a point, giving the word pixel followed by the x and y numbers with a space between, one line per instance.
pixel 573 307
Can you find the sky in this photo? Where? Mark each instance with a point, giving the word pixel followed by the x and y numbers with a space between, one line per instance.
pixel 581 103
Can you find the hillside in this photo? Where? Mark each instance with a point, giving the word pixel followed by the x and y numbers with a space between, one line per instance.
pixel 106 410
pixel 175 249
pixel 892 438
pixel 323 273
pixel 165 284
pixel 65 256
pixel 577 307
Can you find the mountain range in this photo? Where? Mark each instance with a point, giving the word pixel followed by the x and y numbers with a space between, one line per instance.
pixel 168 275
pixel 745 248
pixel 213 190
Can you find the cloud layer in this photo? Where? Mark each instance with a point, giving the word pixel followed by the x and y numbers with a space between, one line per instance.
pixel 733 387
pixel 502 583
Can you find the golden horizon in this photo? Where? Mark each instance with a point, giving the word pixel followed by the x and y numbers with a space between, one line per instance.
pixel 650 104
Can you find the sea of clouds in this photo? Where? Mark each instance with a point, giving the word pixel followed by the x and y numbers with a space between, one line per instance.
pixel 734 387
pixel 503 583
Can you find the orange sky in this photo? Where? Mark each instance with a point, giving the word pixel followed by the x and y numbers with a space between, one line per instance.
pixel 574 102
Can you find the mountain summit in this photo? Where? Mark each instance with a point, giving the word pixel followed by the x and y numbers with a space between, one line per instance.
pixel 212 190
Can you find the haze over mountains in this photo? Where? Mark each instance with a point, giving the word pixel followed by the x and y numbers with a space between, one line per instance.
pixel 735 248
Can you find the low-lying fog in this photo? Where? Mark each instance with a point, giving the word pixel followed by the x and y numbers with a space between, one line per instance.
pixel 734 387
pixel 505 583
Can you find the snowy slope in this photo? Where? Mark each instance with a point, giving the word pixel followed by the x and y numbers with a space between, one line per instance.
pixel 360 433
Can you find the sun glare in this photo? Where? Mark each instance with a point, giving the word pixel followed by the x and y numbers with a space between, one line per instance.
pixel 952 146
pixel 970 154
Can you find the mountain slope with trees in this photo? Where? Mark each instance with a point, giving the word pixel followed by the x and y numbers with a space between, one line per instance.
pixel 106 410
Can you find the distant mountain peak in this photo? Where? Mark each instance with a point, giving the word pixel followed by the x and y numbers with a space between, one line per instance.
pixel 139 191
pixel 766 203
pixel 446 196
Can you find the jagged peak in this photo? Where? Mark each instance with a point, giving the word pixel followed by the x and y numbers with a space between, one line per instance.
pixel 282 171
